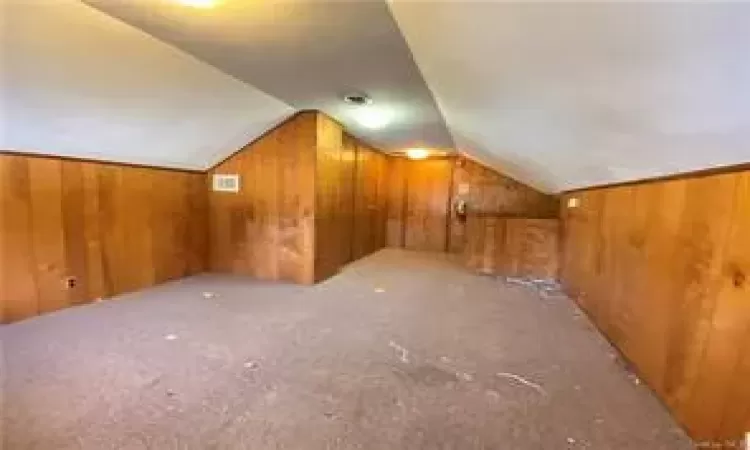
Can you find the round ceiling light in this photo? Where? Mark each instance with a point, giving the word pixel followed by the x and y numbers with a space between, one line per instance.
pixel 203 4
pixel 417 153
pixel 357 99
pixel 372 118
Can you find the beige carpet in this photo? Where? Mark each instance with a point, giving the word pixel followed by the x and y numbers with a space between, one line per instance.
pixel 400 351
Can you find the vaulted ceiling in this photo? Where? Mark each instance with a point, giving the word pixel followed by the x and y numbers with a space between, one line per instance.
pixel 79 83
pixel 558 95
pixel 576 94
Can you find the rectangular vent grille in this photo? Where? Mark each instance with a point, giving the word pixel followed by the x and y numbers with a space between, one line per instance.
pixel 226 183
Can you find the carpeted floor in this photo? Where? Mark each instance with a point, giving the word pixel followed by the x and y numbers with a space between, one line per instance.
pixel 401 350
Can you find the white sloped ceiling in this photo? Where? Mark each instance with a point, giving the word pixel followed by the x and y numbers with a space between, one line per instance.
pixel 557 95
pixel 308 53
pixel 79 83
pixel 568 95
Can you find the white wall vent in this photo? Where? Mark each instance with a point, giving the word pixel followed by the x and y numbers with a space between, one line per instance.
pixel 226 183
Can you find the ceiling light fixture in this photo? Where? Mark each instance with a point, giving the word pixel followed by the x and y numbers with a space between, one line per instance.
pixel 204 4
pixel 417 153
pixel 367 115
pixel 372 118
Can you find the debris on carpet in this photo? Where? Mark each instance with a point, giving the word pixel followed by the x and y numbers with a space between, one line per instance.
pixel 403 353
pixel 252 365
pixel 544 287
pixel 523 381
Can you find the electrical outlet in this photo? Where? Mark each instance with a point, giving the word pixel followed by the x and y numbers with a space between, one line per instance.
pixel 71 282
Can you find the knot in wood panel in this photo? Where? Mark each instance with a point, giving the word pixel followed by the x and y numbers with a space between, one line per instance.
pixel 739 278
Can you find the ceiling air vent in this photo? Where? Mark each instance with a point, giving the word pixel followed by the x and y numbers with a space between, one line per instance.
pixel 358 99
pixel 226 183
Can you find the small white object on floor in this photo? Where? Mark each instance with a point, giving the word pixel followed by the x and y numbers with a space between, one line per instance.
pixel 379 290
pixel 571 441
pixel 252 365
pixel 523 381
pixel 403 353
pixel 466 376
pixel 208 295
pixel 170 337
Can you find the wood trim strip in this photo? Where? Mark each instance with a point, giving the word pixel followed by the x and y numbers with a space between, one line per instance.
pixel 693 174
pixel 96 161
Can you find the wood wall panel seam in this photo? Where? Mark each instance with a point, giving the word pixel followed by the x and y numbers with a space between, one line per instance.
pixel 449 205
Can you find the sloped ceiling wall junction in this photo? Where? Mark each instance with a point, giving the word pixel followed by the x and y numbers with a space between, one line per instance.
pixel 559 96
pixel 572 94
pixel 308 53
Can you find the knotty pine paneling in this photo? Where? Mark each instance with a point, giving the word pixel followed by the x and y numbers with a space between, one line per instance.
pixel 418 197
pixel 347 193
pixel 427 204
pixel 662 269
pixel 397 188
pixel 512 246
pixel 488 192
pixel 370 201
pixel 267 230
pixel 334 198
pixel 114 228
pixel 312 199
pixel 416 187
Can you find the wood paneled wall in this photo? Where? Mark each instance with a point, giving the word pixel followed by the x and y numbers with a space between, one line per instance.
pixel 335 192
pixel 370 201
pixel 421 195
pixel 418 203
pixel 396 189
pixel 512 246
pixel 663 269
pixel 312 199
pixel 428 204
pixel 113 228
pixel 334 200
pixel 267 230
pixel 489 192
